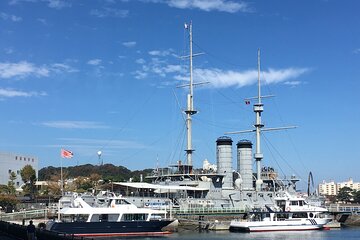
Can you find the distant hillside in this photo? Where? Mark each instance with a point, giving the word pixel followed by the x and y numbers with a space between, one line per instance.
pixel 106 171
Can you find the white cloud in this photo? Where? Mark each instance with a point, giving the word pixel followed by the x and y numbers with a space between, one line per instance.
pixel 129 44
pixel 9 93
pixel 9 50
pixel 58 4
pixel 22 69
pixel 94 62
pixel 42 20
pixel 140 74
pixel 292 83
pixel 161 53
pixel 74 125
pixel 109 12
pixel 61 67
pixel 221 79
pixel 14 2
pixel 110 144
pixel 173 68
pixel 140 61
pixel 206 5
pixel 10 17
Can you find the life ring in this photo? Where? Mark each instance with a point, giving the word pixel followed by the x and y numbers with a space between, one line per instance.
pixel 288 209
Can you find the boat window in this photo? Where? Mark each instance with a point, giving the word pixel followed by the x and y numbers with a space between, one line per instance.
pixel 282 216
pixel 81 217
pixel 113 217
pixel 95 218
pixel 294 203
pixel 134 217
pixel 121 202
pixel 299 215
pixel 301 203
pixel 311 215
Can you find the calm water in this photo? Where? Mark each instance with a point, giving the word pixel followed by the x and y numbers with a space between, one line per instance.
pixel 345 233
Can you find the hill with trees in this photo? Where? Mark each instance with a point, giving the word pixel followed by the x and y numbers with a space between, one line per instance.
pixel 108 172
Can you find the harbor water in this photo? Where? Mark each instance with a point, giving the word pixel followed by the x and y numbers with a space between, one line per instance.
pixel 336 234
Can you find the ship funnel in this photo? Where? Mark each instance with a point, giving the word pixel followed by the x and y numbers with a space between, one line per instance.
pixel 244 163
pixel 224 160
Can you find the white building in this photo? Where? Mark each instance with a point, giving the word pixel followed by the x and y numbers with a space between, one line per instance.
pixel 14 162
pixel 332 188
pixel 350 183
pixel 328 188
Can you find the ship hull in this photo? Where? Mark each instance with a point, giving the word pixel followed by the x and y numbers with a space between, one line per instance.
pixel 265 226
pixel 104 229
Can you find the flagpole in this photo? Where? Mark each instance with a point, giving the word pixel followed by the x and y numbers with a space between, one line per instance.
pixel 61 186
pixel 61 178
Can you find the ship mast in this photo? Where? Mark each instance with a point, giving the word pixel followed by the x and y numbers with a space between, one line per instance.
pixel 190 102
pixel 258 109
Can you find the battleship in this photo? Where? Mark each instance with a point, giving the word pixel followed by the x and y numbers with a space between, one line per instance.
pixel 214 186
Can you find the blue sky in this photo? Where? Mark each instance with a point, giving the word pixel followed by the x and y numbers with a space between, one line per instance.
pixel 102 75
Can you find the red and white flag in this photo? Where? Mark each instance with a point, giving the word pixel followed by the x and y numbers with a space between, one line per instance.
pixel 66 153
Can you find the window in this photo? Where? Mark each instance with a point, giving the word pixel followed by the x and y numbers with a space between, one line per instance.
pixel 17 184
pixel 134 217
pixel 9 171
pixel 81 218
pixel 15 157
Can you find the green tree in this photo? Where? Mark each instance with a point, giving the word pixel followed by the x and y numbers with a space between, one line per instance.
pixel 28 176
pixel 356 196
pixel 11 183
pixel 8 203
pixel 344 194
pixel 82 184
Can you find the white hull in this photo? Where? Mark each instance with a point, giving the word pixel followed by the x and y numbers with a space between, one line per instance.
pixel 287 225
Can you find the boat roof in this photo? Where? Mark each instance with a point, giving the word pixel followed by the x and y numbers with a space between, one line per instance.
pixel 108 210
pixel 158 186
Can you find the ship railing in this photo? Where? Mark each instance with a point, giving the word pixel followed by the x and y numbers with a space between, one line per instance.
pixel 18 216
pixel 210 211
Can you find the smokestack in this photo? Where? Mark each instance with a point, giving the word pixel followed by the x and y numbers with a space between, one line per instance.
pixel 224 160
pixel 244 163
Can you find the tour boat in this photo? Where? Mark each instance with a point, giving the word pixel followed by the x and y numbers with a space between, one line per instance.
pixel 289 214
pixel 118 218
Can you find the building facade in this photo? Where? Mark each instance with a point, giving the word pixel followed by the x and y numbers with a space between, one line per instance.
pixel 328 188
pixel 350 183
pixel 14 162
pixel 332 188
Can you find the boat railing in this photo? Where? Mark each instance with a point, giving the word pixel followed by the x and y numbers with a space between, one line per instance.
pixel 210 211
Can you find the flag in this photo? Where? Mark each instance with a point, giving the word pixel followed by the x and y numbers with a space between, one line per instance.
pixel 66 153
pixel 247 102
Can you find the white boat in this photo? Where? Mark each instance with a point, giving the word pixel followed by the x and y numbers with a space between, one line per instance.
pixel 288 214
pixel 118 218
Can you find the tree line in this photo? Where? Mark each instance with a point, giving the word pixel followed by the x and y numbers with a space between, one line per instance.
pixel 348 195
